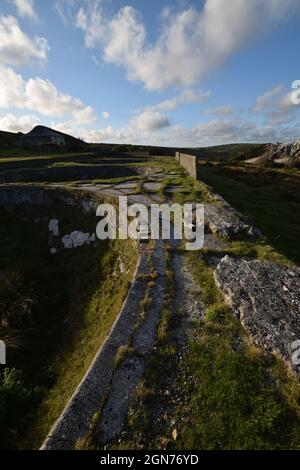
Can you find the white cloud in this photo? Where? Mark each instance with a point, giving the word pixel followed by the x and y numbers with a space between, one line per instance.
pixel 285 109
pixel 40 96
pixel 106 115
pixel 153 128
pixel 264 101
pixel 89 135
pixel 23 124
pixel 84 116
pixel 64 9
pixel 90 20
pixel 219 111
pixel 16 48
pixel 150 121
pixel 25 8
pixel 44 97
pixel 222 130
pixel 142 128
pixel 276 105
pixel 186 97
pixel 12 88
pixel 213 132
pixel 191 43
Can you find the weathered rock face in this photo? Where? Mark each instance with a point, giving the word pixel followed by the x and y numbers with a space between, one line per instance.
pixel 226 222
pixel 77 239
pixel 266 298
pixel 54 227
pixel 284 151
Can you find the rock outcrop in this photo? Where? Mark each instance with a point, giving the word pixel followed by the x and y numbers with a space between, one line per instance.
pixel 266 298
pixel 281 151
pixel 224 221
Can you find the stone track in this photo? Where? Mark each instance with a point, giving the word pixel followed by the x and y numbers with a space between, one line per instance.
pixel 107 388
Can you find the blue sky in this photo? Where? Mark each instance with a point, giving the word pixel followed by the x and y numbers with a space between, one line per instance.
pixel 188 73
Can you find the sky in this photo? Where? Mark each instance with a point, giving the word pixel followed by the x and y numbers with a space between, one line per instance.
pixel 159 72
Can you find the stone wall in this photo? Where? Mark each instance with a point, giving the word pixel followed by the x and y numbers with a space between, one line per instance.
pixel 189 163
pixel 25 196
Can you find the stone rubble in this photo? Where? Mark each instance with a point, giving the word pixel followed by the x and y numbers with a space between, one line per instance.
pixel 266 298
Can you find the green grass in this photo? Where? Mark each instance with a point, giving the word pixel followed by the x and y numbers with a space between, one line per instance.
pixel 75 304
pixel 13 156
pixel 234 402
pixel 235 396
pixel 270 198
pixel 69 167
pixel 238 396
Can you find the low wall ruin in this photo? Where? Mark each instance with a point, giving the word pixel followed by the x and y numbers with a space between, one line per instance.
pixel 189 163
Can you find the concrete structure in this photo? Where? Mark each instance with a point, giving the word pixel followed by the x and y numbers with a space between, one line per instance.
pixel 189 163
pixel 41 135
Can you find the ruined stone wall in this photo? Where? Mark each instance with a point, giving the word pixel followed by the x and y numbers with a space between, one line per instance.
pixel 25 196
pixel 189 163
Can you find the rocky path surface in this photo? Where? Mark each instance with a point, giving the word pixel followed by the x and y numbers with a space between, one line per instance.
pixel 129 373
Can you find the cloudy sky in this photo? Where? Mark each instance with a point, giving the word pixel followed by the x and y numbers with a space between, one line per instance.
pixel 190 73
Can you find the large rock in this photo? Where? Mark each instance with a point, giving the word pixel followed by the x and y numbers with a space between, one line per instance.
pixel 266 298
pixel 223 220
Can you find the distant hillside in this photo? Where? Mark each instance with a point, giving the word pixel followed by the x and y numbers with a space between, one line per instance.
pixel 10 140
pixel 230 151
pixel 7 139
pixel 219 152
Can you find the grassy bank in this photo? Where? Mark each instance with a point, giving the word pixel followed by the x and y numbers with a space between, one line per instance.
pixel 271 198
pixel 217 392
pixel 67 302
pixel 238 396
